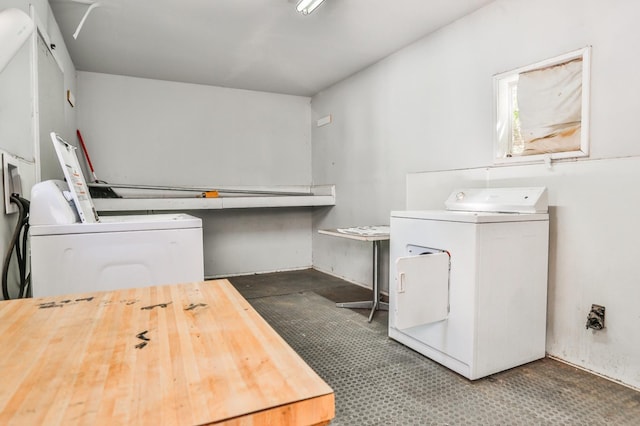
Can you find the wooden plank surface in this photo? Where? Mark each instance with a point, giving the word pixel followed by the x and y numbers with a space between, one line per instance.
pixel 187 354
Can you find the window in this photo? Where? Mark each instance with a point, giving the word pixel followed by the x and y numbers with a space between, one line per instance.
pixel 542 110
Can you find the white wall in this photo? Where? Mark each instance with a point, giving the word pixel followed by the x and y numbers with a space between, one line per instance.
pixel 48 25
pixel 165 133
pixel 244 241
pixel 19 112
pixel 143 131
pixel 16 89
pixel 428 108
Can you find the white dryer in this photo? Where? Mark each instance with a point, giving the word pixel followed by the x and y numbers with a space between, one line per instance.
pixel 468 285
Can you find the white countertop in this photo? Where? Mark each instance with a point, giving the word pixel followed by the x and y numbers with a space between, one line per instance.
pixel 322 195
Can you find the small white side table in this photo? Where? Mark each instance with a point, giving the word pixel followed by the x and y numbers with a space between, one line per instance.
pixel 373 234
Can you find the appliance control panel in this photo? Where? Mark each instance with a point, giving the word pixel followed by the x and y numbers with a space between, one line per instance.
pixel 502 200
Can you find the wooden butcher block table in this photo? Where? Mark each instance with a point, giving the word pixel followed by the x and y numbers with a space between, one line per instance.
pixel 188 354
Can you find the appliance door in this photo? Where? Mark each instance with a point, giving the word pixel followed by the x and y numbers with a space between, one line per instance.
pixel 422 286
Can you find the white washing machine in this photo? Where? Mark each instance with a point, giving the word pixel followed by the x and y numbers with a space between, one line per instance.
pixel 75 251
pixel 468 285
pixel 115 253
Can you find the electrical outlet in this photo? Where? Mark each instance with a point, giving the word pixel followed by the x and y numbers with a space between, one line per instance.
pixel 11 181
pixel 595 319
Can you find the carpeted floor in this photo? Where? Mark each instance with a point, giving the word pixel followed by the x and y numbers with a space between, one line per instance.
pixel 378 381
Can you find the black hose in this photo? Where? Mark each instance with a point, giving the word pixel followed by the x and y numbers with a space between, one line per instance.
pixel 22 225
pixel 25 279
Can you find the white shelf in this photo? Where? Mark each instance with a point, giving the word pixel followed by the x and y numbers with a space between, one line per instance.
pixel 323 195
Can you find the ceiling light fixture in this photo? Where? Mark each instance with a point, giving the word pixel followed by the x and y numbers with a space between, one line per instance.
pixel 307 6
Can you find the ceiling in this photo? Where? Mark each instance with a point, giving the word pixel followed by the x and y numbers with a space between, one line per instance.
pixel 260 45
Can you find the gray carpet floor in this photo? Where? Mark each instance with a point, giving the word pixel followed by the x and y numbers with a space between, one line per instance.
pixel 378 381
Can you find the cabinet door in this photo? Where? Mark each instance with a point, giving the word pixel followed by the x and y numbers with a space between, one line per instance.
pixel 422 285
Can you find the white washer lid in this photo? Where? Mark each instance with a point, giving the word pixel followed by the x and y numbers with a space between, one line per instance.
pixel 469 217
pixel 122 224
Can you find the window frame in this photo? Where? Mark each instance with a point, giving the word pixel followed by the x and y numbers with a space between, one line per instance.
pixel 502 110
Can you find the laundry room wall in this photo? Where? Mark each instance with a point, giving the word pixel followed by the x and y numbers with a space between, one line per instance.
pixel 142 131
pixel 428 108
pixel 19 112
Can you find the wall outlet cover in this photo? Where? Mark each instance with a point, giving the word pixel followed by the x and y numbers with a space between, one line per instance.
pixel 11 181
pixel 595 319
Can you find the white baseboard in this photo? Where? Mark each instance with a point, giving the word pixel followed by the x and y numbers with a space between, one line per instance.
pixel 243 274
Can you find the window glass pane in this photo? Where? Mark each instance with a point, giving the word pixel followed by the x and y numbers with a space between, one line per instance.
pixel 517 142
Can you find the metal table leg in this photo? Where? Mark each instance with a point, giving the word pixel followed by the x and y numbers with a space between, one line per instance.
pixel 376 303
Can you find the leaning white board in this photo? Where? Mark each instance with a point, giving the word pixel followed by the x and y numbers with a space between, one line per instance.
pixel 422 289
pixel 75 179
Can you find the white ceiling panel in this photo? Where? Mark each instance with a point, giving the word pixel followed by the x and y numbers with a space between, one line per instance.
pixel 248 44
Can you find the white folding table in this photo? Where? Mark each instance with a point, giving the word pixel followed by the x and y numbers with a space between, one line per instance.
pixel 373 234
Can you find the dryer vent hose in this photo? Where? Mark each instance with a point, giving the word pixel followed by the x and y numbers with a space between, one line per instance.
pixel 19 244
